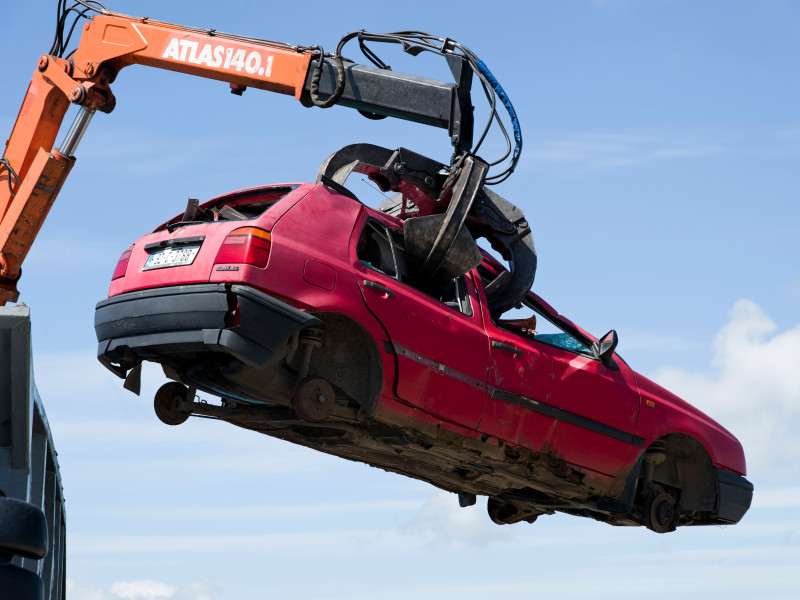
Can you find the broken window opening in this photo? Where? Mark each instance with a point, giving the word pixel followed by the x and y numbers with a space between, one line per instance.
pixel 381 249
pixel 533 324
pixel 236 207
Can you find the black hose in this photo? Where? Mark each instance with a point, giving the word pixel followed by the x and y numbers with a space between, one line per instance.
pixel 11 173
pixel 316 75
pixel 81 8
pixel 415 42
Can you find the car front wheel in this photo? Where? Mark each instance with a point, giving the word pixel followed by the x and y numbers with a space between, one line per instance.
pixel 661 512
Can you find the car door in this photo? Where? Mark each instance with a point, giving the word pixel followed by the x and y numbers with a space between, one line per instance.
pixel 596 405
pixel 439 342
pixel 548 392
pixel 520 381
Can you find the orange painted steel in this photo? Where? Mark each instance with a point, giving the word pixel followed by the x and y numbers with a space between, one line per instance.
pixel 109 43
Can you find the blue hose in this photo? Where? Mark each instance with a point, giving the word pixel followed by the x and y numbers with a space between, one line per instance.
pixel 501 93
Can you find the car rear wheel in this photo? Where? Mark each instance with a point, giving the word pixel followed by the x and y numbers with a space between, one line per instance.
pixel 506 513
pixel 501 513
pixel 314 399
pixel 167 403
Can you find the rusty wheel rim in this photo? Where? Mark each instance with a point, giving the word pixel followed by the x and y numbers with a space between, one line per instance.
pixel 314 399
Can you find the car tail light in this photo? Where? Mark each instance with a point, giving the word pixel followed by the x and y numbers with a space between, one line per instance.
pixel 248 245
pixel 122 264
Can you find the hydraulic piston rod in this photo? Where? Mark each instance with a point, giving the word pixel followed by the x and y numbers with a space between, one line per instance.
pixel 76 131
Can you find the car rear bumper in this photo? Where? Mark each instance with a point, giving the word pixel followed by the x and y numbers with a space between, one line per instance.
pixel 734 494
pixel 160 323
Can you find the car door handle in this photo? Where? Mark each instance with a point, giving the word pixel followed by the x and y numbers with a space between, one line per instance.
pixel 378 287
pixel 507 347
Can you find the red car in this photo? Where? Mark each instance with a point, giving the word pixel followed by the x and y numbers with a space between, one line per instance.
pixel 295 305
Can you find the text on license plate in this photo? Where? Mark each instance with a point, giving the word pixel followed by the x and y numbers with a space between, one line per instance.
pixel 171 257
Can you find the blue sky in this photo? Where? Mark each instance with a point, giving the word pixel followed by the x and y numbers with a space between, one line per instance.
pixel 659 174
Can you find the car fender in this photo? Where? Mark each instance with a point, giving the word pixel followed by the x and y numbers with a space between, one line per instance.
pixel 663 413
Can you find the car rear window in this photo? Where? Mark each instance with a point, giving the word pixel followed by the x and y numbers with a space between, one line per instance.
pixel 235 207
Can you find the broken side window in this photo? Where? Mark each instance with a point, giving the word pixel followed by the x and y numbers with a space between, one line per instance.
pixel 530 323
pixel 454 294
pixel 381 249
pixel 377 251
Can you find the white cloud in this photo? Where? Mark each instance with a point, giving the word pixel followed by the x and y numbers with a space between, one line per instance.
pixel 754 390
pixel 778 498
pixel 142 590
pixel 197 591
pixel 262 512
pixel 762 550
pixel 76 591
pixel 441 523
pixel 613 150
pixel 600 151
pixel 662 342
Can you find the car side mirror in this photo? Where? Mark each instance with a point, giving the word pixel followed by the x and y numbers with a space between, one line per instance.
pixel 604 349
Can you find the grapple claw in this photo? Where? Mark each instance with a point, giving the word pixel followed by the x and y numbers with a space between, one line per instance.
pixel 445 211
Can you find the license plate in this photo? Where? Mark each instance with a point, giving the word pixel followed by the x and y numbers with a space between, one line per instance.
pixel 171 257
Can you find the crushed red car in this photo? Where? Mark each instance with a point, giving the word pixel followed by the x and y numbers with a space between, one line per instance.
pixel 295 304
